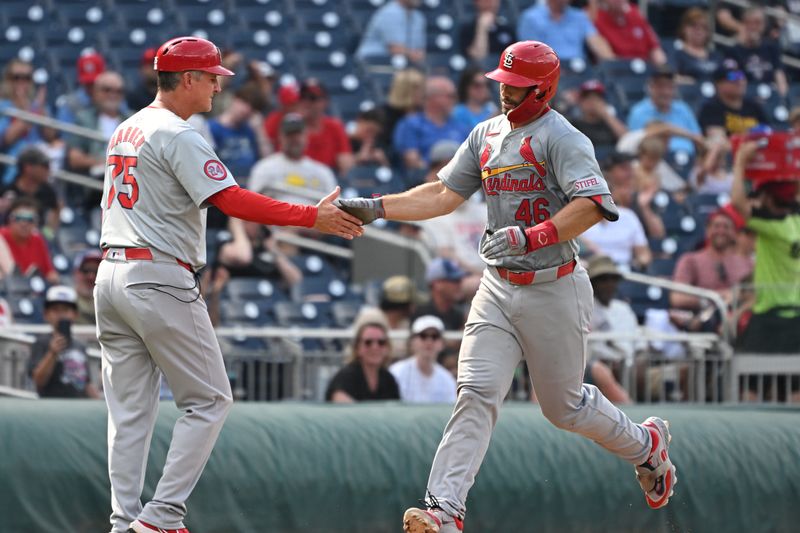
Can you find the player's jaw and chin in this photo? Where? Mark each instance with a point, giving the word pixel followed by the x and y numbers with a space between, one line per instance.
pixel 511 97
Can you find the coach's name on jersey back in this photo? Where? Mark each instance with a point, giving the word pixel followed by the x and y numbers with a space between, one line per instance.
pixel 132 135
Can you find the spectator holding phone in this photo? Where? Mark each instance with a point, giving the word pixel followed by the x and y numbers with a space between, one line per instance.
pixel 59 364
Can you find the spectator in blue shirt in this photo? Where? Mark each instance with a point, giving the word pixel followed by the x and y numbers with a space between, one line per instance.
pixel 476 103
pixel 417 133
pixel 395 29
pixel 18 91
pixel 566 29
pixel 234 137
pixel 662 105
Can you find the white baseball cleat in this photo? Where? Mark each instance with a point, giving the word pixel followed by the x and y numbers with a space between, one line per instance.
pixel 417 520
pixel 657 474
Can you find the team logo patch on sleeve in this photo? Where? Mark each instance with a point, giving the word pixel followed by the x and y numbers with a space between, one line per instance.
pixel 215 170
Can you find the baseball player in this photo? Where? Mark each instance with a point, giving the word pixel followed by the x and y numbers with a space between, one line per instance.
pixel 160 178
pixel 543 188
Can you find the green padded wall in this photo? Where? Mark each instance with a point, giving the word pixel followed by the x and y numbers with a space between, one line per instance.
pixel 291 468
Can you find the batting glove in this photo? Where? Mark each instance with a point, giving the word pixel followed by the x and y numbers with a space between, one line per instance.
pixel 365 209
pixel 505 242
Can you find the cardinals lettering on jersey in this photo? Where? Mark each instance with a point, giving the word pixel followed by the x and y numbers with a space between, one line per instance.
pixel 493 182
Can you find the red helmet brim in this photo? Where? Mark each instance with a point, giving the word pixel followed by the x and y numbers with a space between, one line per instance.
pixel 509 78
pixel 218 70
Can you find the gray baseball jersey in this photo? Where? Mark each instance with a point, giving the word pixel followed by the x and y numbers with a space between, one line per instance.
pixel 160 172
pixel 151 319
pixel 528 175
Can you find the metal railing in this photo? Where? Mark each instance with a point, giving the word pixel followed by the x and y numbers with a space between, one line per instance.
pixel 765 377
pixel 14 355
pixel 284 370
pixel 668 284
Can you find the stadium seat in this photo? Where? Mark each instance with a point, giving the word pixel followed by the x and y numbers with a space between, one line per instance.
pixel 682 162
pixel 73 239
pixel 243 289
pixel 27 310
pixel 319 15
pixel 305 314
pixel 702 205
pixel 669 210
pixel 243 313
pixel 361 11
pixel 662 267
pixel 574 73
pixel 344 313
pixel 361 176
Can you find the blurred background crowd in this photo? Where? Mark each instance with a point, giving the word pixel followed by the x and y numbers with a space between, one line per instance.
pixel 375 96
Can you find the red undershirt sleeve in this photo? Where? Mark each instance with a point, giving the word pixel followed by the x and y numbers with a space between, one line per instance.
pixel 247 205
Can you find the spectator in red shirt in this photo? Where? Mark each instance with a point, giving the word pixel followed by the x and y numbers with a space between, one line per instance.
pixel 327 140
pixel 28 247
pixel 289 102
pixel 628 32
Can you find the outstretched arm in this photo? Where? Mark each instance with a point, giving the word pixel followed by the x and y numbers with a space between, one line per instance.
pixel 429 200
pixel 325 217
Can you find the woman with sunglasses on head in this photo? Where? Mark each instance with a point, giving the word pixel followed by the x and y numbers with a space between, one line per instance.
pixel 365 376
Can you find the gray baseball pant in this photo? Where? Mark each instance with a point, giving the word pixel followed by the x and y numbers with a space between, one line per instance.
pixel 547 324
pixel 142 331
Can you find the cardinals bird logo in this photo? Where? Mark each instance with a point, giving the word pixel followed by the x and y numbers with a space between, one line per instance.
pixel 527 154
pixel 487 151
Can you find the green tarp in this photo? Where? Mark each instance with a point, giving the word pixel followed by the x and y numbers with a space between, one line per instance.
pixel 290 468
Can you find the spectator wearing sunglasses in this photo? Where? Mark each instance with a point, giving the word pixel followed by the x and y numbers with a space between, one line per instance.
pixel 420 378
pixel 717 267
pixel 730 112
pixel 365 376
pixel 107 111
pixel 17 90
pixel 28 247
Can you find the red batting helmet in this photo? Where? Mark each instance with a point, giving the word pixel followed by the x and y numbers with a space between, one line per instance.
pixel 189 53
pixel 529 64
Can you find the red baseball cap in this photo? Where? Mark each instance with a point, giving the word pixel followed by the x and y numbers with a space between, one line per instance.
pixel 593 86
pixel 90 66
pixel 148 56
pixel 288 94
pixel 729 211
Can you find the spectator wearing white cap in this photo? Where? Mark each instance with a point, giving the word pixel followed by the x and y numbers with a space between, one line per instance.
pixel 59 364
pixel 420 378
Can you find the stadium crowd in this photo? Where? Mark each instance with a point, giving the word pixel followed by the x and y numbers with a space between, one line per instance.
pixel 661 105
